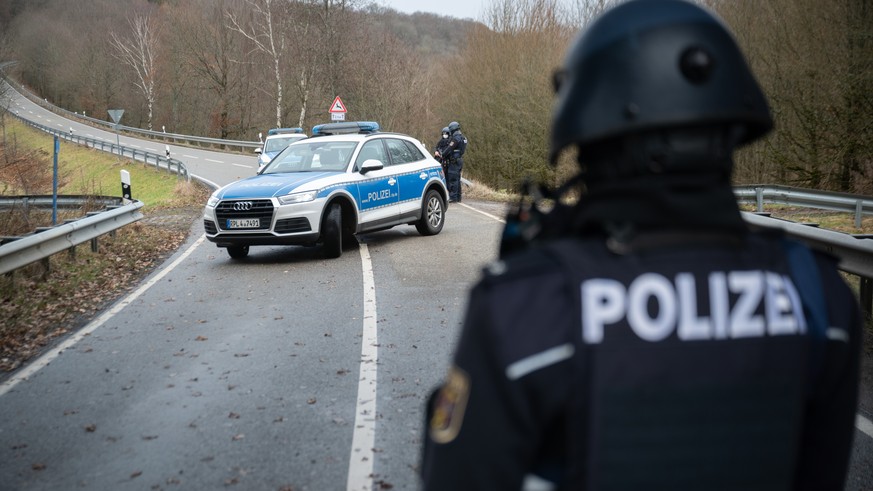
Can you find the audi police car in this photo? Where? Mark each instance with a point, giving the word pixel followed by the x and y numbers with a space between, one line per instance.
pixel 276 141
pixel 346 179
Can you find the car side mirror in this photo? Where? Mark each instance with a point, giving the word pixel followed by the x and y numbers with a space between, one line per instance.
pixel 259 150
pixel 371 165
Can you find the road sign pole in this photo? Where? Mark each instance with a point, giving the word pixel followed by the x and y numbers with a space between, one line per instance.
pixel 116 114
pixel 55 183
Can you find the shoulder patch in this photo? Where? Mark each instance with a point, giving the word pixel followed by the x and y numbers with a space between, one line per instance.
pixel 448 411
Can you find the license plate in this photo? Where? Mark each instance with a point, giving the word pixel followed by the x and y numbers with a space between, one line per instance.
pixel 243 223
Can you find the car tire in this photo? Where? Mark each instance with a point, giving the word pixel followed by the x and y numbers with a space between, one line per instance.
pixel 238 252
pixel 433 214
pixel 332 232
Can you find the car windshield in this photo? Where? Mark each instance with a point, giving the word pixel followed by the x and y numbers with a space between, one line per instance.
pixel 313 156
pixel 277 144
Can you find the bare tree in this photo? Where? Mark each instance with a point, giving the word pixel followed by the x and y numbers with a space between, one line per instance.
pixel 265 29
pixel 502 89
pixel 139 52
pixel 211 49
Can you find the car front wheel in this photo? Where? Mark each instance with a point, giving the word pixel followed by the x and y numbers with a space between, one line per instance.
pixel 433 214
pixel 332 232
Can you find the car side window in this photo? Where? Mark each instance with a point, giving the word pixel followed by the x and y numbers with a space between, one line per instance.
pixel 415 150
pixel 372 149
pixel 400 152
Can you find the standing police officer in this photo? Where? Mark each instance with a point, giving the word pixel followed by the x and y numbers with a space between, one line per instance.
pixel 453 155
pixel 649 339
pixel 441 147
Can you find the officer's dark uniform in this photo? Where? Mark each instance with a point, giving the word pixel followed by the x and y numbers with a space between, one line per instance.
pixel 723 387
pixel 441 147
pixel 646 338
pixel 453 155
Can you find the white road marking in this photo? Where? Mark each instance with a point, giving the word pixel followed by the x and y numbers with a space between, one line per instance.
pixel 44 360
pixel 864 425
pixel 246 166
pixel 189 156
pixel 364 436
pixel 207 181
pixel 489 215
pixel 216 161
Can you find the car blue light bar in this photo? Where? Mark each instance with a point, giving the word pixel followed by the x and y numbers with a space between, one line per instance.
pixel 345 128
pixel 277 131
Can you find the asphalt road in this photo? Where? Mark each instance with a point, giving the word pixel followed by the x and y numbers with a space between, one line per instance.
pixel 283 371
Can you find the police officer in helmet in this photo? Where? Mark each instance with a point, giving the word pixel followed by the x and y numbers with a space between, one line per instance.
pixel 453 156
pixel 646 337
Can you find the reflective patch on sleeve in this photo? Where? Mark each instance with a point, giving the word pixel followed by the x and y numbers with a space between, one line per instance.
pixel 448 411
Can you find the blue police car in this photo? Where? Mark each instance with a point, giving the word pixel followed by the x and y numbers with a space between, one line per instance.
pixel 276 141
pixel 345 179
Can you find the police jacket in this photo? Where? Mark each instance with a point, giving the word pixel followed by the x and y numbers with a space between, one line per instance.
pixel 456 148
pixel 725 364
pixel 442 145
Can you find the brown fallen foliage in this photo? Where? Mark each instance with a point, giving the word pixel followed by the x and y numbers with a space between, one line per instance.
pixel 38 306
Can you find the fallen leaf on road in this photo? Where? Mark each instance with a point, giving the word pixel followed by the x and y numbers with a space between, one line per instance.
pixel 91 428
pixel 200 338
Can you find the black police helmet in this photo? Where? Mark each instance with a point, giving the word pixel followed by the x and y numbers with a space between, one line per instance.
pixel 655 65
pixel 454 126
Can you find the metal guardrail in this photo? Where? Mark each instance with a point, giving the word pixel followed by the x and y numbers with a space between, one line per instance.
pixel 826 200
pixel 149 158
pixel 65 201
pixel 173 137
pixel 32 248
pixel 855 253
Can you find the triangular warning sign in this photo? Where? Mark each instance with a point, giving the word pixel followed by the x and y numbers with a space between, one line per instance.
pixel 337 106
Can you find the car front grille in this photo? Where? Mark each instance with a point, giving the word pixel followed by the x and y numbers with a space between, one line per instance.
pixel 254 208
pixel 209 226
pixel 292 225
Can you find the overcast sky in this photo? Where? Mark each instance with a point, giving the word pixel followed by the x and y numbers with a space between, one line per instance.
pixel 463 9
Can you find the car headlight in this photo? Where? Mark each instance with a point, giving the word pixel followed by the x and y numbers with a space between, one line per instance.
pixel 212 202
pixel 290 199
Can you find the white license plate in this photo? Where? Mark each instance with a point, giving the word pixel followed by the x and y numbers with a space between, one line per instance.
pixel 243 223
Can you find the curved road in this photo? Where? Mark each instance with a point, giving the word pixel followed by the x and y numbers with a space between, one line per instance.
pixel 283 371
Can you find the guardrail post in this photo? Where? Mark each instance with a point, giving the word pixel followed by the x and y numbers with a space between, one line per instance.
pixel 759 198
pixel 859 208
pixel 46 268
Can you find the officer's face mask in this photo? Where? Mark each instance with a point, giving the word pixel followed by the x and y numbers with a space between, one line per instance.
pixel 445 135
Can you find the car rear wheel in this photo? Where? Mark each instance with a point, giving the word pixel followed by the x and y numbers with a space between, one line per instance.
pixel 433 214
pixel 238 252
pixel 332 232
